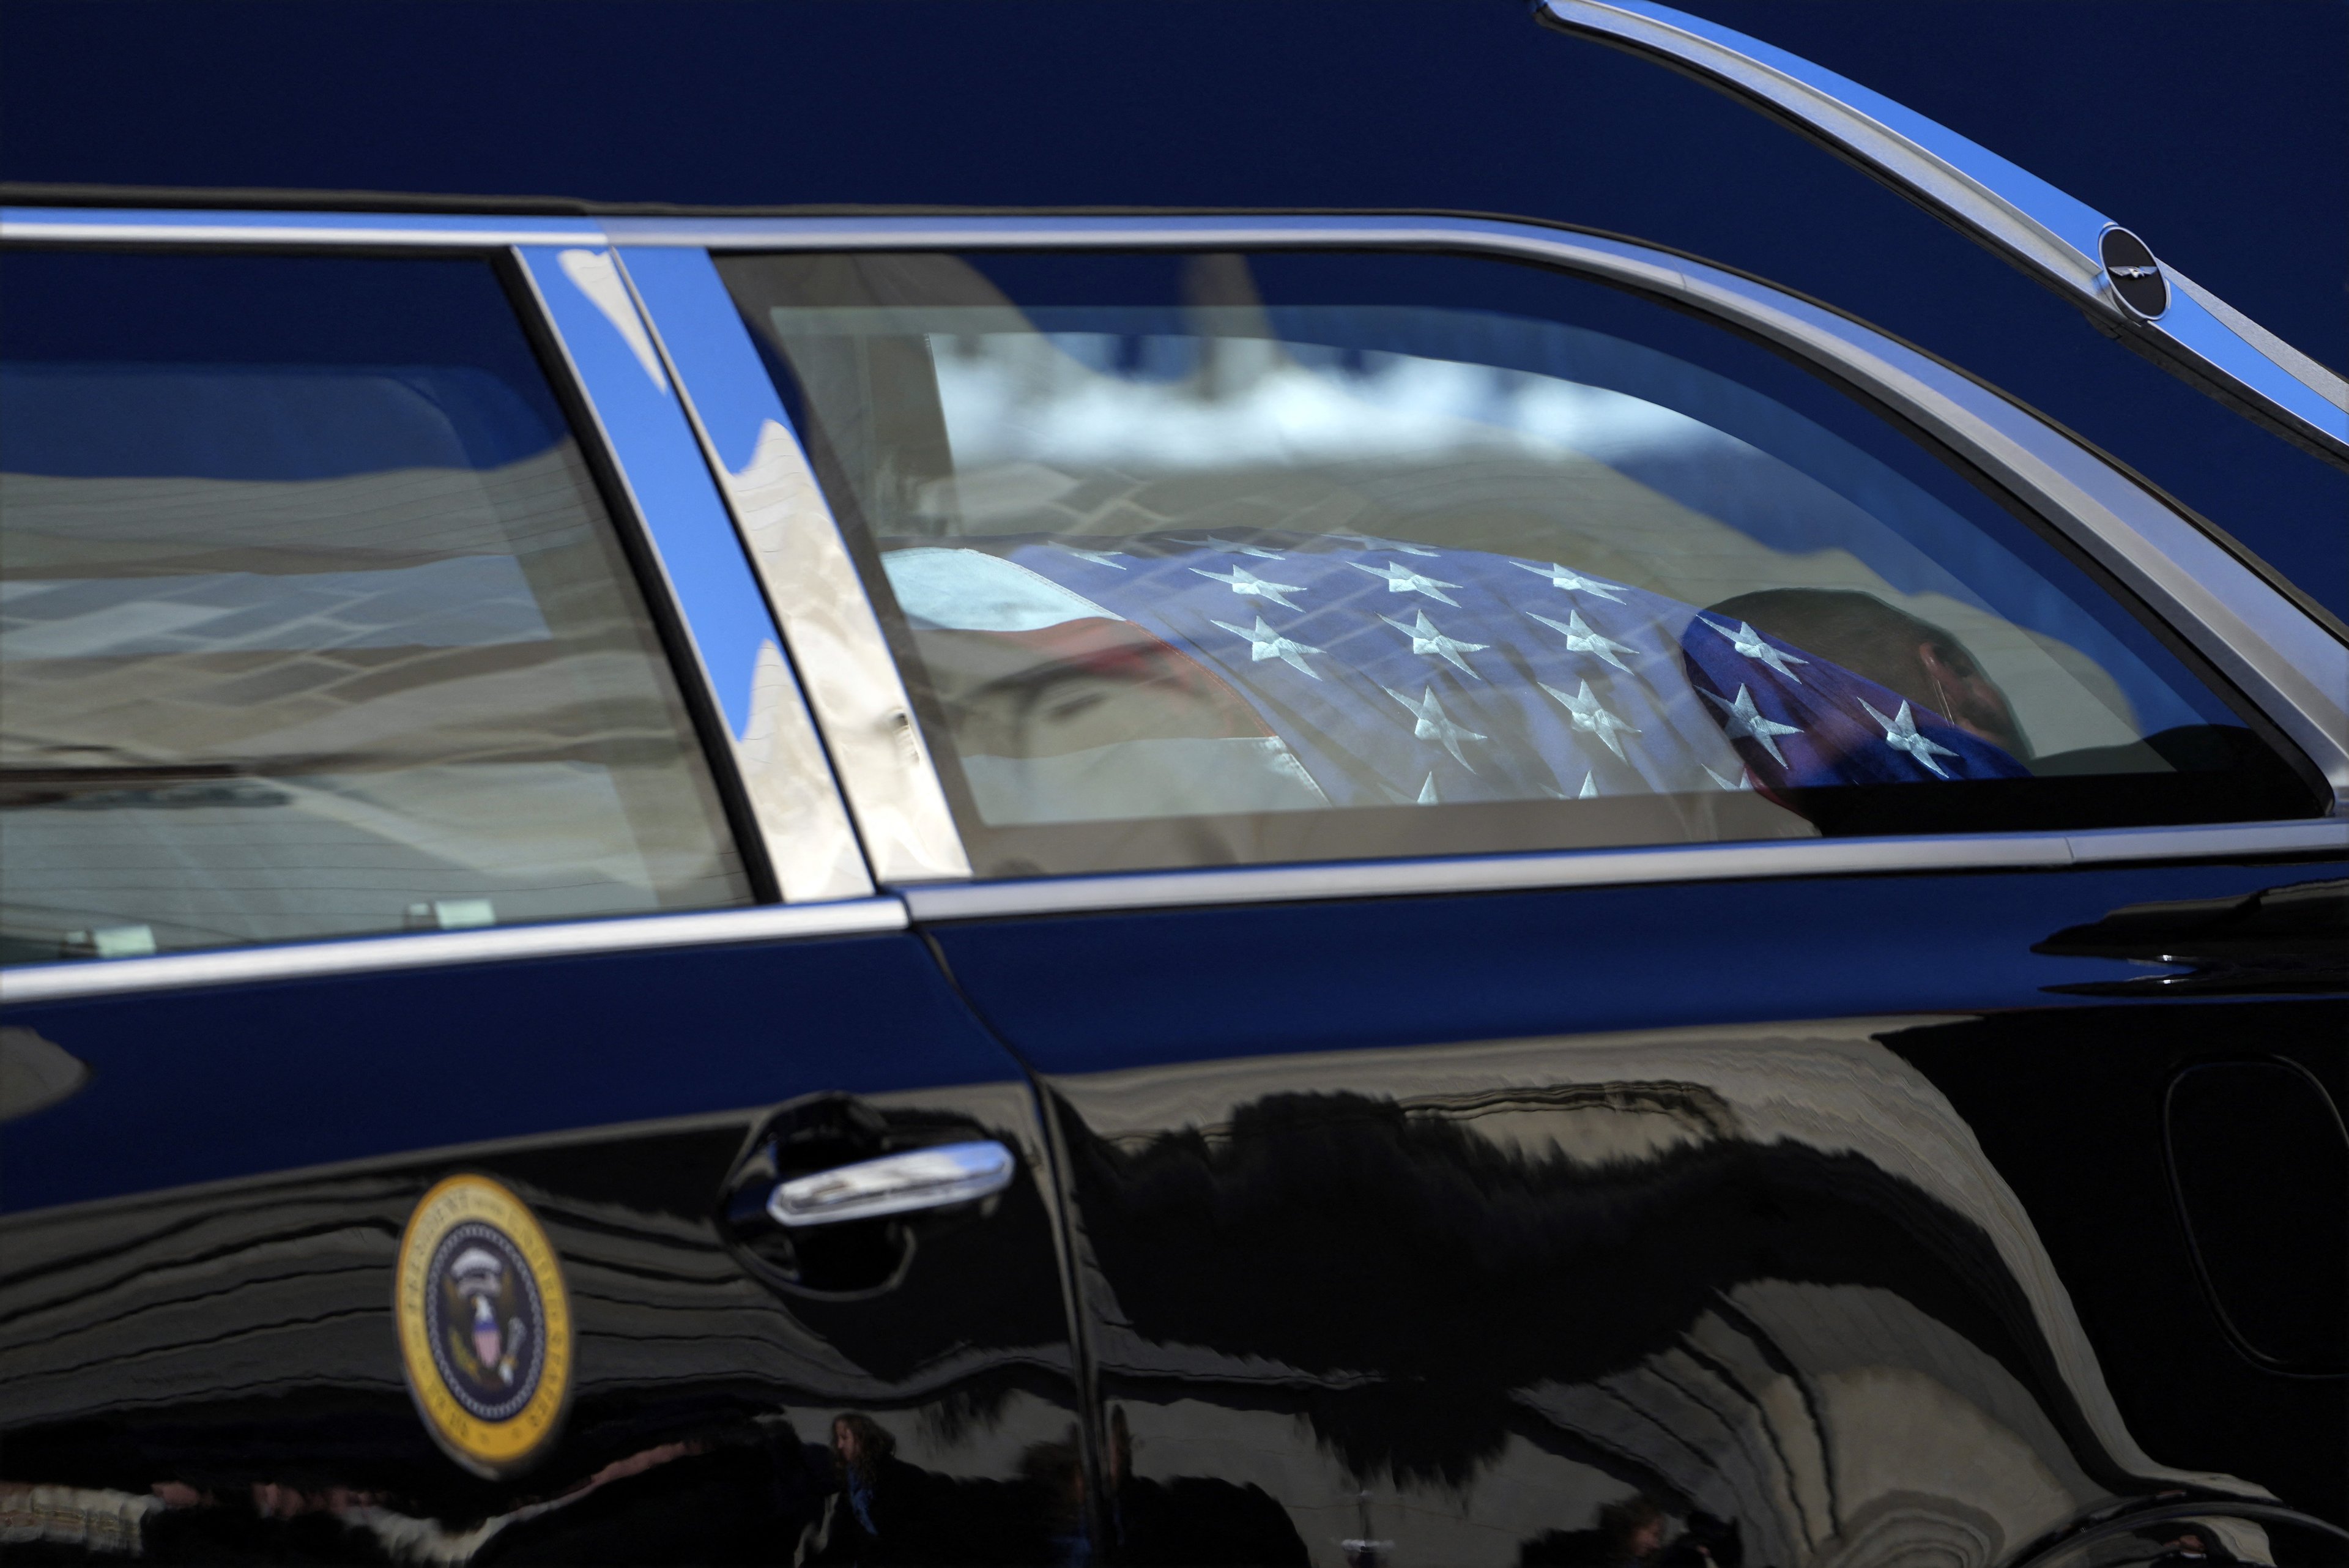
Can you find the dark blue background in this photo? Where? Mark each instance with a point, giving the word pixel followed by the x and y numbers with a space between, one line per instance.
pixel 2214 127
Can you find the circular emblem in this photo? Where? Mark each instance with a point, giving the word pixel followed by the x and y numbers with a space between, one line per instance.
pixel 2136 277
pixel 484 1324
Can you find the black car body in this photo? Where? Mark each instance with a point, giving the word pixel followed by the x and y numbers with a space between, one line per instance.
pixel 654 921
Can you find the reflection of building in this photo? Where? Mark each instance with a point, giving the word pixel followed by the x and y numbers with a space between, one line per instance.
pixel 248 709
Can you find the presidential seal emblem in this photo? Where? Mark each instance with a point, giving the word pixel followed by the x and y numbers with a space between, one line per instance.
pixel 484 1326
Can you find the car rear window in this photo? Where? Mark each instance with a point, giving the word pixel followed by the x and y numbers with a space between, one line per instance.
pixel 312 623
pixel 1221 558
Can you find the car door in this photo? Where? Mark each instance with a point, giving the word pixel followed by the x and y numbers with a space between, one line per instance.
pixel 464 1099
pixel 1655 927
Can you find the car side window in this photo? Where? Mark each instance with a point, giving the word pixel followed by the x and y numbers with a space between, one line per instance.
pixel 1216 559
pixel 312 623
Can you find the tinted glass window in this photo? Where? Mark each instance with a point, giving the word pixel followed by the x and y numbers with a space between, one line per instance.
pixel 1219 558
pixel 314 624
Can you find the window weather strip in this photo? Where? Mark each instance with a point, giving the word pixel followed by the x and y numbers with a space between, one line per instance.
pixel 1913 855
pixel 2063 240
pixel 387 231
pixel 439 949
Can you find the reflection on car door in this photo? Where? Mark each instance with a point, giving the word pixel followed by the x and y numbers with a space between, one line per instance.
pixel 200 1326
pixel 1784 1220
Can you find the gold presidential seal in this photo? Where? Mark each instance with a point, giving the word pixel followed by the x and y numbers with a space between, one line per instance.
pixel 484 1326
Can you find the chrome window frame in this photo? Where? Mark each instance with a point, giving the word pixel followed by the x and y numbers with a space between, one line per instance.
pixel 2292 668
pixel 665 500
pixel 802 560
pixel 1557 869
pixel 629 389
pixel 2046 232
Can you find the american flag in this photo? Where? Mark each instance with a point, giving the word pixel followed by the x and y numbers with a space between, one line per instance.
pixel 1393 671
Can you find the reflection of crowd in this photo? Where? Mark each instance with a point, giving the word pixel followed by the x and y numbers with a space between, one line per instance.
pixel 749 1492
pixel 886 1511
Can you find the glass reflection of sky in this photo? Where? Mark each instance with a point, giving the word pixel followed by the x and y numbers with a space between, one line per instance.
pixel 1076 398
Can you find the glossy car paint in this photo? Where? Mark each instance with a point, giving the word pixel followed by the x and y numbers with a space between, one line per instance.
pixel 196 1306
pixel 1401 1231
pixel 1444 1222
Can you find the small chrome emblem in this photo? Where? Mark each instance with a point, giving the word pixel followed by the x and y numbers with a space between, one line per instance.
pixel 2133 275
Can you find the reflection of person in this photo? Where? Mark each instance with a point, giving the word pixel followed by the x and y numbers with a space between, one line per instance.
pixel 862 1448
pixel 1628 1533
pixel 876 1511
pixel 888 1510
pixel 1910 657
pixel 1633 1530
pixel 1055 1476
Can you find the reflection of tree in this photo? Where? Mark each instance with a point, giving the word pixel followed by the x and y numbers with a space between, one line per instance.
pixel 1425 1272
pixel 956 1414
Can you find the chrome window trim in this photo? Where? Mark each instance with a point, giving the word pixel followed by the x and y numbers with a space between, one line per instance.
pixel 372 955
pixel 630 392
pixel 402 231
pixel 1620 867
pixel 2048 232
pixel 795 545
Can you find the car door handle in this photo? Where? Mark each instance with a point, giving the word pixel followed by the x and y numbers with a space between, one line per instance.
pixel 894 1184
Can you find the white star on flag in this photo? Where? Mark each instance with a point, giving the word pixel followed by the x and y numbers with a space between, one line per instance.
pixel 1265 643
pixel 1900 734
pixel 1240 580
pixel 1580 638
pixel 1426 639
pixel 1402 579
pixel 1740 720
pixel 1589 790
pixel 1098 557
pixel 1749 645
pixel 1571 581
pixel 1589 717
pixel 1434 724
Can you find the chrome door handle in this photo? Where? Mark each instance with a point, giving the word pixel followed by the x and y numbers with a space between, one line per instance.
pixel 894 1184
